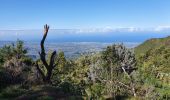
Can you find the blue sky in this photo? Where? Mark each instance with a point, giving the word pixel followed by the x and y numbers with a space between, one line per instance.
pixel 78 14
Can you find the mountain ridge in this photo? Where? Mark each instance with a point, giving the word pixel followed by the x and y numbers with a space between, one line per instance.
pixel 152 43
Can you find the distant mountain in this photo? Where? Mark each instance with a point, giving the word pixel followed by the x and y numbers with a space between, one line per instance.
pixel 152 44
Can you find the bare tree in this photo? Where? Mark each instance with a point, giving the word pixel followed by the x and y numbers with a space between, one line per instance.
pixel 48 66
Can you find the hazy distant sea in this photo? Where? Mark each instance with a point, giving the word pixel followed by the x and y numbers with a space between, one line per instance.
pixel 71 49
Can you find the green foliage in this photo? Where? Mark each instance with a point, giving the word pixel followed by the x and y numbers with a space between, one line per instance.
pixel 154 68
pixel 6 53
pixel 12 92
pixel 46 98
pixel 151 44
pixel 114 73
pixel 15 64
pixel 107 70
pixel 61 63
pixel 99 73
pixel 4 78
pixel 71 88
pixel 17 51
pixel 95 91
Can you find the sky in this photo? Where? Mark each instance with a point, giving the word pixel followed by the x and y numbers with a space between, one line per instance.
pixel 85 20
pixel 84 14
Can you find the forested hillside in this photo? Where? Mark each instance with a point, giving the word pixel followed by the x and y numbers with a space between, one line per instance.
pixel 152 44
pixel 117 72
pixel 153 57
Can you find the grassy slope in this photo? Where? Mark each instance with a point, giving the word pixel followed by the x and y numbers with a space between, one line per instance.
pixel 36 93
pixel 152 44
pixel 157 60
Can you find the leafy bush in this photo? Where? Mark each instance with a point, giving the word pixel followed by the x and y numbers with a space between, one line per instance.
pixel 12 92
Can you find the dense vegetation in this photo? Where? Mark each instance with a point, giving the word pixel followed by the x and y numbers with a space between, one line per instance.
pixel 115 73
pixel 153 58
pixel 152 44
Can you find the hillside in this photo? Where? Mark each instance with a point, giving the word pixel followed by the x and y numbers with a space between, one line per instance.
pixel 153 58
pixel 152 44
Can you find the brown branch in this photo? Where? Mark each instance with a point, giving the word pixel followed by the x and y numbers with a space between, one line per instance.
pixel 43 54
pixel 132 84
pixel 46 28
pixel 39 70
pixel 124 85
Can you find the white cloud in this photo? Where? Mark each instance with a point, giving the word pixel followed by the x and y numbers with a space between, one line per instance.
pixel 162 28
pixel 106 30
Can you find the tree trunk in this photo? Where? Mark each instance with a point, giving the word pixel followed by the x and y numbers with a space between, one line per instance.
pixel 49 67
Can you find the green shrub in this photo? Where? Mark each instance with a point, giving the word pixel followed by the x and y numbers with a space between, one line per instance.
pixel 12 92
pixel 45 98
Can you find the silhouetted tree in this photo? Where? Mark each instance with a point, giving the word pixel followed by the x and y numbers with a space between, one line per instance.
pixel 48 66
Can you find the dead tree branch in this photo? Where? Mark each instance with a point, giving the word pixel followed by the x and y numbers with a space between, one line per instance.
pixel 49 67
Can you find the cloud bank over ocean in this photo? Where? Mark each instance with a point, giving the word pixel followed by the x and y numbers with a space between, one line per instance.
pixel 107 34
